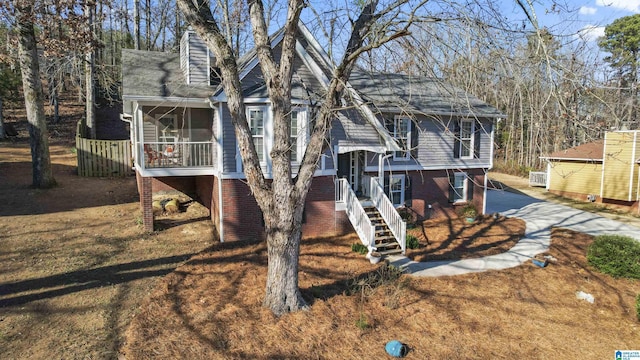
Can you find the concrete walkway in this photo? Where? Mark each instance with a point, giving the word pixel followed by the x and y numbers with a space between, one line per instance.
pixel 540 216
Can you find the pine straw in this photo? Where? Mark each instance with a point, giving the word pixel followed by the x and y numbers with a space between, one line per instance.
pixel 454 238
pixel 211 308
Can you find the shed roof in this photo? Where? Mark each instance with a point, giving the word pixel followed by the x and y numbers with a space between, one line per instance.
pixel 593 151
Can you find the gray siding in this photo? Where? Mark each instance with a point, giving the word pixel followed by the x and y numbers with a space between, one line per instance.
pixel 350 129
pixel 436 138
pixel 229 142
pixel 184 54
pixel 194 62
pixel 305 82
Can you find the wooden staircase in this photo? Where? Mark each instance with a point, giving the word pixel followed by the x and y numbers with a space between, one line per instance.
pixel 384 241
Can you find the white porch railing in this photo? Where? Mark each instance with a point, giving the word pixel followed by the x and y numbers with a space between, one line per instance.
pixel 395 223
pixel 355 213
pixel 537 178
pixel 180 154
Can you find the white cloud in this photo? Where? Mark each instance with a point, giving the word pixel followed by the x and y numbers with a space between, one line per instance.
pixel 629 5
pixel 587 10
pixel 591 32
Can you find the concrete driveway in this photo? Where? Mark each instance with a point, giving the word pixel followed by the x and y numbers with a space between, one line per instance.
pixel 540 216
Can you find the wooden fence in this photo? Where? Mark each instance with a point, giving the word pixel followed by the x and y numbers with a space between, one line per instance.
pixel 102 158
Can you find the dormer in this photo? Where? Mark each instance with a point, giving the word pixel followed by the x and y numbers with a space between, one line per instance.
pixel 196 60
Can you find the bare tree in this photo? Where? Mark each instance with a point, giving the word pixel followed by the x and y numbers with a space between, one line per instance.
pixel 282 200
pixel 89 71
pixel 136 24
pixel 33 97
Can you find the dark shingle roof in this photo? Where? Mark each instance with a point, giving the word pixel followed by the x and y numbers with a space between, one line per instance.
pixel 415 94
pixel 157 74
pixel 593 151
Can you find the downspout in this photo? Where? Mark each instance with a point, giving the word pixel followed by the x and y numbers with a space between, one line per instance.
pixel 131 137
pixel 381 160
pixel 486 175
pixel 220 170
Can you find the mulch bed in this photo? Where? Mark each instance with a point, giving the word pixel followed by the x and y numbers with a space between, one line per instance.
pixel 454 238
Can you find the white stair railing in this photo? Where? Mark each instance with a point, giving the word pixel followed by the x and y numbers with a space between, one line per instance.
pixel 356 214
pixel 394 221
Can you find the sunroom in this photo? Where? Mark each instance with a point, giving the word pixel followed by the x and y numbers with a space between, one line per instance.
pixel 174 140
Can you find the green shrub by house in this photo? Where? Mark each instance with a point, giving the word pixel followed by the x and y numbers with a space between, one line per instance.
pixel 359 248
pixel 412 242
pixel 638 306
pixel 618 256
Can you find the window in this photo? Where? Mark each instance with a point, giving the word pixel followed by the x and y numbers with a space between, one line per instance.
pixel 460 188
pixel 396 190
pixel 466 138
pixel 402 134
pixel 295 123
pixel 256 123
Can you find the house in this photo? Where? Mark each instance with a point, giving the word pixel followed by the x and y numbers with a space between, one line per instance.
pixel 605 171
pixel 431 143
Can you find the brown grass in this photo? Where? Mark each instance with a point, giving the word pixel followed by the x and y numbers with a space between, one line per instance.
pixel 211 308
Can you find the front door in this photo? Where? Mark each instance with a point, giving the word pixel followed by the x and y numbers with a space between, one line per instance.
pixel 350 166
pixel 396 190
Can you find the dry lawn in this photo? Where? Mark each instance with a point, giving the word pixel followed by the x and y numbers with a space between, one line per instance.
pixel 74 260
pixel 210 308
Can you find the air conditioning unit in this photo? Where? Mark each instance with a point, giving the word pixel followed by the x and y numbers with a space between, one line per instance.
pixel 591 197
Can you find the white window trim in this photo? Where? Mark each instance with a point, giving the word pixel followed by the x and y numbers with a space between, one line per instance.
pixel 302 137
pixel 465 186
pixel 266 148
pixel 407 155
pixel 402 188
pixel 471 139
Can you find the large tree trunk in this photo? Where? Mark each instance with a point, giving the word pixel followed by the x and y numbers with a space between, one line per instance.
pixel 33 97
pixel 283 244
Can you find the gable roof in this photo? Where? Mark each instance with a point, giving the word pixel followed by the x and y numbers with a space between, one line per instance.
pixel 153 74
pixel 416 94
pixel 593 151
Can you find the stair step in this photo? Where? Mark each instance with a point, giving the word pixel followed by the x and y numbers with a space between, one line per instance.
pixel 386 245
pixel 387 237
pixel 390 252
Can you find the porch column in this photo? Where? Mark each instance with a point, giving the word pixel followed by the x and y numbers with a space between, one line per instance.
pixel 146 201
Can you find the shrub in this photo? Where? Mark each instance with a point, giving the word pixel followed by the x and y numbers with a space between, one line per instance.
pixel 412 242
pixel 359 248
pixel 638 306
pixel 362 322
pixel 468 211
pixel 618 256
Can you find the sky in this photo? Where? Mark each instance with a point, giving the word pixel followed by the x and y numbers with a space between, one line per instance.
pixel 586 18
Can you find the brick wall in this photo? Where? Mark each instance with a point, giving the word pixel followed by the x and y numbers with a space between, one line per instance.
pixel 183 184
pixel 146 200
pixel 432 188
pixel 207 195
pixel 321 219
pixel 243 218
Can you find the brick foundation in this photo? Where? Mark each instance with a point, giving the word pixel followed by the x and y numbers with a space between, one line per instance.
pixel 146 201
pixel 242 218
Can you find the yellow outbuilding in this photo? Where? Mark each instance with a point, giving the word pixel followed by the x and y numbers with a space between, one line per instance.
pixel 606 171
